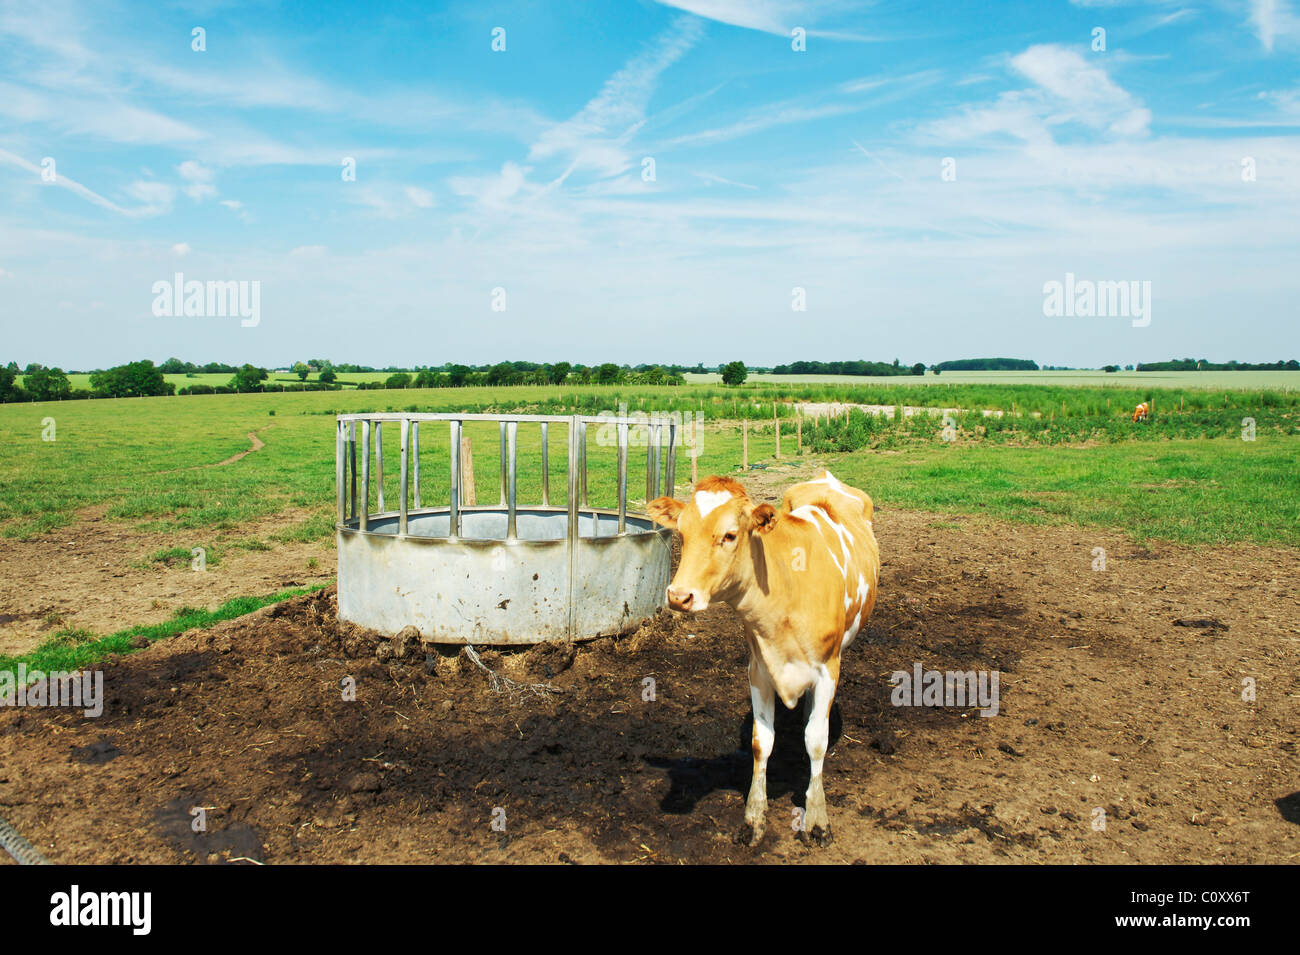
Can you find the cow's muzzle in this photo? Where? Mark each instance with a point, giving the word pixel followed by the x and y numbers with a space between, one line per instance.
pixel 688 600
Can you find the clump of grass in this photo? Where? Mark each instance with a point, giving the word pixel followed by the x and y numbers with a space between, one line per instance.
pixel 316 527
pixel 251 543
pixel 176 557
pixel 43 524
pixel 71 637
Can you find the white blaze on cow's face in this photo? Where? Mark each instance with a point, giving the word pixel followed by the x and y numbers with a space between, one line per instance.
pixel 714 522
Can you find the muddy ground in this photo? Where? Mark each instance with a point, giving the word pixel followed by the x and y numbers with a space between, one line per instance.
pixel 1107 703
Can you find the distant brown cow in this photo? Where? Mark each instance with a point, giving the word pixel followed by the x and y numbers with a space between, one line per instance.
pixel 804 583
pixel 1141 412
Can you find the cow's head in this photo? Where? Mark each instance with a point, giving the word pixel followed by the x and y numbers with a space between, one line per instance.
pixel 715 522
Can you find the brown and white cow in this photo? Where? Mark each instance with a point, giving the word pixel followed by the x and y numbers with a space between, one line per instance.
pixel 1141 412
pixel 803 580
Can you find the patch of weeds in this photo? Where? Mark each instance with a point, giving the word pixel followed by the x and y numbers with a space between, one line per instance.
pixel 176 557
pixel 251 543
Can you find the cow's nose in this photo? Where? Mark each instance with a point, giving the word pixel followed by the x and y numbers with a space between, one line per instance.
pixel 680 599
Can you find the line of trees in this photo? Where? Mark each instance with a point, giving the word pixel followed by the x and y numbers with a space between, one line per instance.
pixel 39 384
pixel 143 378
pixel 871 369
pixel 988 364
pixel 529 373
pixel 1202 364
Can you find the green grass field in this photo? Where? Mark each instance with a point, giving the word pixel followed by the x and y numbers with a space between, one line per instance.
pixel 148 465
pixel 1187 477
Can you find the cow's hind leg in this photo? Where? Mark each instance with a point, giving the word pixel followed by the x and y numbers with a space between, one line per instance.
pixel 816 735
pixel 762 696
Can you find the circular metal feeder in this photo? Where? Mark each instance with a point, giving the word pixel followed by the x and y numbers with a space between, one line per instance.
pixel 501 574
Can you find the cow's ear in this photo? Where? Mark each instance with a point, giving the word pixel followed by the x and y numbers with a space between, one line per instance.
pixel 762 518
pixel 664 510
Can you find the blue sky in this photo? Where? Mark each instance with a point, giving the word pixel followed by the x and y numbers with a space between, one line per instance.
pixel 525 170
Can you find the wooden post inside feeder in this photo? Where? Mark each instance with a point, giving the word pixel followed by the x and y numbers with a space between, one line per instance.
pixel 467 470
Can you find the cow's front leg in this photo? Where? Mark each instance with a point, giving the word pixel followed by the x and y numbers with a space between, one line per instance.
pixel 762 696
pixel 816 735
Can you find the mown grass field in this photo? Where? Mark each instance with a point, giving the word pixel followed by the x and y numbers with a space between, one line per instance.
pixel 148 463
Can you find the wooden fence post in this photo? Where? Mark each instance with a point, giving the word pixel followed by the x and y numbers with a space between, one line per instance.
pixel 744 444
pixel 467 470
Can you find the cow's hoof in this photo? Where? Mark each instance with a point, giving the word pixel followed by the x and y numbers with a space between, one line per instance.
pixel 750 835
pixel 817 836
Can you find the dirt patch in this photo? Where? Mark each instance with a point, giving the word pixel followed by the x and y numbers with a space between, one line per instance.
pixel 1107 711
pixel 256 445
pixel 94 575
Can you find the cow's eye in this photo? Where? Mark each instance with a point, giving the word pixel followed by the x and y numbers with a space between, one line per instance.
pixel 728 537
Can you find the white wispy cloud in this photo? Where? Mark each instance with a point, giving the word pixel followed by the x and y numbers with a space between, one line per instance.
pixel 1067 89
pixel 420 198
pixel 64 182
pixel 1264 15
pixel 767 16
pixel 1274 21
pixel 596 138
pixel 711 178
pixel 198 180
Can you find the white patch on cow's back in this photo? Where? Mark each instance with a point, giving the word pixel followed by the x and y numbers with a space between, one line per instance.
pixel 841 533
pixel 831 481
pixel 706 501
pixel 810 513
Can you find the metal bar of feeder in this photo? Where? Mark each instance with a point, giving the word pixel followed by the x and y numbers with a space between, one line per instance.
pixel 573 517
pixel 546 469
pixel 659 444
pixel 415 450
pixel 379 463
pixel 340 472
pixel 512 434
pixel 503 463
pixel 622 478
pixel 649 463
pixel 352 452
pixel 403 488
pixel 453 527
pixel 582 460
pixel 364 514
